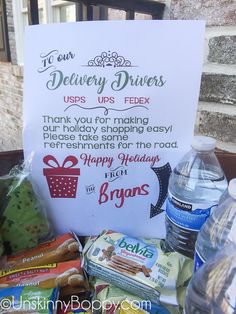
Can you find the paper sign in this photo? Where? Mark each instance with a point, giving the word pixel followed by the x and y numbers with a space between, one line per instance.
pixel 109 109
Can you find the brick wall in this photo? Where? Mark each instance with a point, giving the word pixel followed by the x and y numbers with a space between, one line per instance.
pixel 11 80
pixel 10 106
pixel 11 31
pixel 217 104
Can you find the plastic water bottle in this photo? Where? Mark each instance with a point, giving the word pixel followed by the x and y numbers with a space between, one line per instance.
pixel 212 289
pixel 219 230
pixel 195 187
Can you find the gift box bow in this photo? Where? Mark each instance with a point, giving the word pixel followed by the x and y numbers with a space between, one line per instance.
pixel 65 169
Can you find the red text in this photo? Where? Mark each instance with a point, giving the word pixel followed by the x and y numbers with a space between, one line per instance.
pixel 119 195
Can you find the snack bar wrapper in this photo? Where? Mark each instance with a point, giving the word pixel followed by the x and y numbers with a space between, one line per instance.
pixel 62 248
pixel 23 221
pixel 113 300
pixel 138 266
pixel 129 307
pixel 72 309
pixel 28 300
pixel 69 276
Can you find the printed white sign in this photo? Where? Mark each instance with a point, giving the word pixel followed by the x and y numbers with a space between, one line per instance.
pixel 109 109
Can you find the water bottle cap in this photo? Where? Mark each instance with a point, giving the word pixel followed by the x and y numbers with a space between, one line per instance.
pixel 232 188
pixel 203 143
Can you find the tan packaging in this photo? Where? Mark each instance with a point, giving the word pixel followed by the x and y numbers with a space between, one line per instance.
pixel 68 276
pixel 63 248
pixel 138 266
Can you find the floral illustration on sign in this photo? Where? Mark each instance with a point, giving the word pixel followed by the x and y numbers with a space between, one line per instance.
pixel 109 59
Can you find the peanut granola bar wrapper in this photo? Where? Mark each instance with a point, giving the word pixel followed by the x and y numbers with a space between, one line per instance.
pixel 63 248
pixel 139 266
pixel 69 276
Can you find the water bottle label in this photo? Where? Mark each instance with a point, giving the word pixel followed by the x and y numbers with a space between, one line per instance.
pixel 190 216
pixel 232 233
pixel 198 261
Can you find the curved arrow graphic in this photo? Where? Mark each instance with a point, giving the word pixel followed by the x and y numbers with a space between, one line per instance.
pixel 163 175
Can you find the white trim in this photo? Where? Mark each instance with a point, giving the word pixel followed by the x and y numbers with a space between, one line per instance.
pixel 60 3
pixel 48 11
pixel 22 7
pixel 56 7
pixel 51 15
pixel 19 30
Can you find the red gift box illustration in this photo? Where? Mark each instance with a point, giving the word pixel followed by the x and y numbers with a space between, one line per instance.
pixel 62 180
